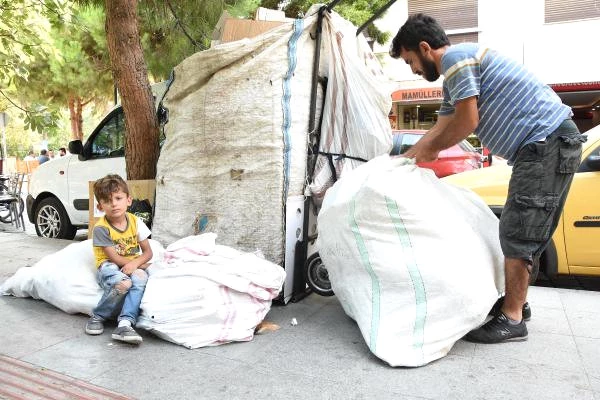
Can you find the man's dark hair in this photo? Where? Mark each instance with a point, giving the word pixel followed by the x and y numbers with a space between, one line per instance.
pixel 418 28
pixel 43 152
pixel 62 149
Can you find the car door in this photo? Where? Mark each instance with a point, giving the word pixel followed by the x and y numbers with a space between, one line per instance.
pixel 104 153
pixel 581 217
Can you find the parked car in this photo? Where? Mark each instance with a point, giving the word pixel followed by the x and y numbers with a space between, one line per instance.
pixel 58 199
pixel 458 158
pixel 574 247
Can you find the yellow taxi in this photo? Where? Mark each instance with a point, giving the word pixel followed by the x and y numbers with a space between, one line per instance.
pixel 575 246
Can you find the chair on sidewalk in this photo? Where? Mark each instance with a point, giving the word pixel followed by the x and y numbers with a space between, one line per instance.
pixel 12 202
pixel 27 167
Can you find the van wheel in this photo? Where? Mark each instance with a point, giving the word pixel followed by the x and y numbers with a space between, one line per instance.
pixel 316 276
pixel 52 221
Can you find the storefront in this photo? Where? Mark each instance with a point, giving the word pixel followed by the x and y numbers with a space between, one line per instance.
pixel 415 108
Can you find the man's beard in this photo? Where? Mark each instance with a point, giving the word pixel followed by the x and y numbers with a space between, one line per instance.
pixel 429 70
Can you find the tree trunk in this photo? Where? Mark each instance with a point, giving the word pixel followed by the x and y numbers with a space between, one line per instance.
pixel 131 76
pixel 79 119
pixel 75 117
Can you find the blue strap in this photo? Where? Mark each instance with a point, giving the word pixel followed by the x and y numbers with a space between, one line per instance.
pixel 285 103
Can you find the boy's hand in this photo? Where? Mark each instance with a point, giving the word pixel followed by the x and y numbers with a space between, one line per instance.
pixel 129 268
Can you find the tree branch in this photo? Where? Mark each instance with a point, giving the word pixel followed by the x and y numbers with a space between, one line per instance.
pixel 196 44
pixel 12 102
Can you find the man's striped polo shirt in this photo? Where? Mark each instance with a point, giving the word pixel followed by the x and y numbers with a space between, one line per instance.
pixel 515 108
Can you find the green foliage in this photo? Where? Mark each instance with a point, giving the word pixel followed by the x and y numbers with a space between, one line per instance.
pixel 356 11
pixel 78 66
pixel 24 32
pixel 174 30
pixel 40 118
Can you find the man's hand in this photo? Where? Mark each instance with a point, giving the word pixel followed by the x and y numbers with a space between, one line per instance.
pixel 422 151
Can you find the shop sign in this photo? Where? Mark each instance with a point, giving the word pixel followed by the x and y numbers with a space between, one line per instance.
pixel 416 95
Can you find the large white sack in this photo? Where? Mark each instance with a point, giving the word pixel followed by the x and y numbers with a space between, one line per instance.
pixel 66 279
pixel 236 140
pixel 198 293
pixel 205 294
pixel 415 261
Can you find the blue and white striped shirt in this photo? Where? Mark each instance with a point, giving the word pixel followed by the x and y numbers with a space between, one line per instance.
pixel 515 108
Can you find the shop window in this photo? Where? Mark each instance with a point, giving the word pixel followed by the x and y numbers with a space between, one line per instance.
pixel 570 10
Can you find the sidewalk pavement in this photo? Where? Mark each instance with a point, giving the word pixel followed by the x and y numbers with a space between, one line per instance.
pixel 322 357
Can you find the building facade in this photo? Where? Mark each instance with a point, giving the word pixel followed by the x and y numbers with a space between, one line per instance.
pixel 553 38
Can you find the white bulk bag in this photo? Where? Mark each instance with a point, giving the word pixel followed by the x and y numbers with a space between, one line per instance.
pixel 205 294
pixel 415 261
pixel 198 293
pixel 236 139
pixel 66 279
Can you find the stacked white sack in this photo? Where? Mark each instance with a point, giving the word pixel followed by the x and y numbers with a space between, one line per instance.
pixel 415 261
pixel 236 140
pixel 198 293
pixel 204 294
pixel 66 279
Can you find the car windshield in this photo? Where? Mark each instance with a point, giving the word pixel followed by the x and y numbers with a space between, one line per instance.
pixel 402 142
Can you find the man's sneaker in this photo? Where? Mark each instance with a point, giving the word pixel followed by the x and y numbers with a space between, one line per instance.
pixel 94 326
pixel 126 334
pixel 498 306
pixel 498 330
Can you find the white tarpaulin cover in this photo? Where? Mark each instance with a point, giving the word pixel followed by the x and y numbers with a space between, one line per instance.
pixel 414 261
pixel 237 134
pixel 198 293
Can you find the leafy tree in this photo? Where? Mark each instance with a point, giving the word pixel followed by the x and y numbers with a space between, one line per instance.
pixel 356 11
pixel 77 72
pixel 174 30
pixel 130 70
pixel 24 26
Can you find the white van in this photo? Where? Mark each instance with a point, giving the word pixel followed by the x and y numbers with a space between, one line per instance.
pixel 58 199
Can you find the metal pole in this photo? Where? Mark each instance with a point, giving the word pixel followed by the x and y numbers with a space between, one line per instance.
pixel 3 123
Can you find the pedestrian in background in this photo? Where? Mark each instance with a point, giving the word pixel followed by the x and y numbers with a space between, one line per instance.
pixel 517 117
pixel 62 152
pixel 30 156
pixel 43 157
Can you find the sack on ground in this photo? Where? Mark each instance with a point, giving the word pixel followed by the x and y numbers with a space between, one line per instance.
pixel 204 294
pixel 415 261
pixel 198 293
pixel 66 279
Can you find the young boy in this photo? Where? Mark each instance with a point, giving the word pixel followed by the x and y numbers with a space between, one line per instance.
pixel 122 250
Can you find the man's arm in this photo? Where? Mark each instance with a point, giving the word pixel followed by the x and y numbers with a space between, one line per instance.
pixel 448 131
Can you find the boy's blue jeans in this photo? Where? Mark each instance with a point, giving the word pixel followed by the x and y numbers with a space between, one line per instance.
pixel 113 300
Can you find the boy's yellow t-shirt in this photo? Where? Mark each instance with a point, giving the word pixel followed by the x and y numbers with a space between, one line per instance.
pixel 126 243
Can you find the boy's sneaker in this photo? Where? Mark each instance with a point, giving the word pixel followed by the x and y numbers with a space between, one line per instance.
pixel 94 326
pixel 498 306
pixel 126 334
pixel 497 330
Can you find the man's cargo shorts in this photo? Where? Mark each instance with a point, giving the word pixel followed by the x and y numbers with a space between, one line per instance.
pixel 541 177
